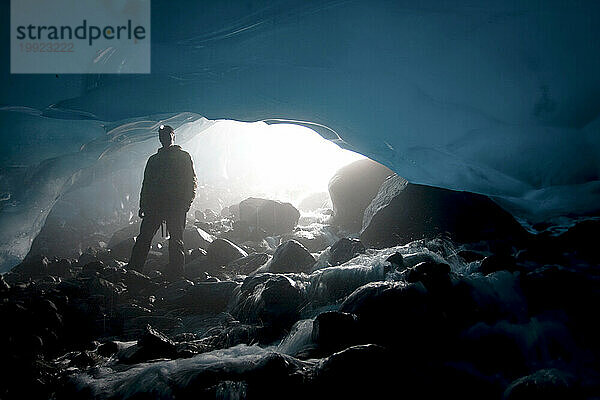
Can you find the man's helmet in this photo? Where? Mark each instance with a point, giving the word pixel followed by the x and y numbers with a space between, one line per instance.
pixel 165 129
pixel 165 134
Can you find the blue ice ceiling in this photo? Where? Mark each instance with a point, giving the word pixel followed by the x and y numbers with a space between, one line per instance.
pixel 496 97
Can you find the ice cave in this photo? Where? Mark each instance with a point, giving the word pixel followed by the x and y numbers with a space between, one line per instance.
pixel 393 198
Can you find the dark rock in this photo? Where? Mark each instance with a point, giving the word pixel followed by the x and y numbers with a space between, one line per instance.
pixel 558 288
pixel 542 250
pixel 345 249
pixel 199 267
pixel 155 275
pixel 61 268
pixel 451 380
pixel 107 349
pixel 493 349
pixel 154 344
pixel 291 256
pixel 334 330
pixel 276 373
pixel 84 359
pixel 92 268
pixel 136 281
pixel 351 373
pixel 421 320
pixel 403 212
pixel 271 299
pixel 396 260
pixel 196 253
pixel 498 262
pixel 4 286
pixel 245 231
pixel 552 287
pixel 581 240
pixel 12 278
pixel 122 250
pixel 547 384
pixel 314 241
pixel 185 337
pixel 208 297
pixel 222 251
pixel 109 291
pixel 274 217
pixel 32 267
pixel 87 257
pixel 127 232
pixel 247 265
pixel 233 333
pixel 434 275
pixel 470 255
pixel 173 292
pixel 196 238
pixel 351 190
pixel 112 274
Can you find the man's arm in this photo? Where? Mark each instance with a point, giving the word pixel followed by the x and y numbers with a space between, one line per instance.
pixel 191 182
pixel 145 193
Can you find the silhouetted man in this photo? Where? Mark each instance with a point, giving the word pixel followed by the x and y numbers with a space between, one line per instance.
pixel 167 192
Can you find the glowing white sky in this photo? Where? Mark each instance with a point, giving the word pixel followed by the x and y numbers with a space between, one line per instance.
pixel 281 161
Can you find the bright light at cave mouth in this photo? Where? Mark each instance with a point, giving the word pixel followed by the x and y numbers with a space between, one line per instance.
pixel 281 161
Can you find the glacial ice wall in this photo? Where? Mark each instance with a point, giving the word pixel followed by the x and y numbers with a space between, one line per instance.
pixel 498 98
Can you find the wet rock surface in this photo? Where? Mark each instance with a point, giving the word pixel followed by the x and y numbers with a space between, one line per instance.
pixel 223 251
pixel 351 190
pixel 402 212
pixel 271 216
pixel 438 319
pixel 291 256
pixel 345 249
pixel 544 384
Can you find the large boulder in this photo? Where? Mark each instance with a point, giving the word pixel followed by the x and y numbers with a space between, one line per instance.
pixel 32 267
pixel 153 344
pixel 546 384
pixel 314 239
pixel 272 216
pixel 208 297
pixel 334 330
pixel 435 276
pixel 351 190
pixel 352 373
pixel 222 251
pixel 196 238
pixel 136 281
pixel 247 265
pixel 122 250
pixel 291 256
pixel 402 212
pixel 378 305
pixel 344 250
pixel 273 300
pixel 4 286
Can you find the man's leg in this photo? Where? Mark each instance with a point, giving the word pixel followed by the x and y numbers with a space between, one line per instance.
pixel 176 226
pixel 150 224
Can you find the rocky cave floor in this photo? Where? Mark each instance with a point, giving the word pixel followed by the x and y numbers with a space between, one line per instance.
pixel 268 319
